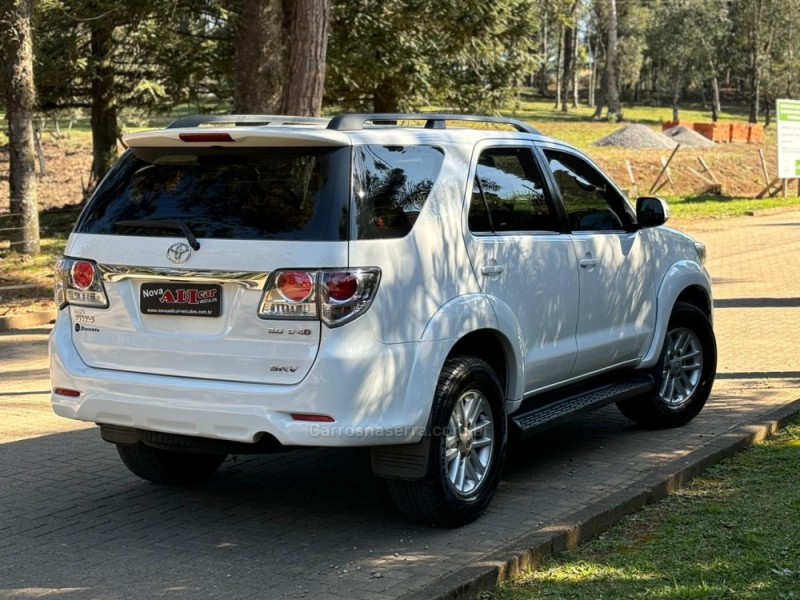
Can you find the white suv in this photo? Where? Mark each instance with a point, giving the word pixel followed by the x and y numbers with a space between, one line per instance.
pixel 240 284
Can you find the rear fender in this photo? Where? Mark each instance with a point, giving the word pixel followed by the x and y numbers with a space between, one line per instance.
pixel 474 312
pixel 458 318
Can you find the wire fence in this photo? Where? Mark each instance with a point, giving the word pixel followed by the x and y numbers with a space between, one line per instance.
pixel 6 229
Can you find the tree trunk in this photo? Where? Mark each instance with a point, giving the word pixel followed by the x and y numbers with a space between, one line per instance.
pixel 105 129
pixel 566 77
pixel 575 81
pixel 573 59
pixel 558 66
pixel 385 99
pixel 601 98
pixel 755 87
pixel 307 38
pixel 612 93
pixel 754 60
pixel 543 68
pixel 592 72
pixel 676 99
pixel 16 21
pixel 715 104
pixel 258 56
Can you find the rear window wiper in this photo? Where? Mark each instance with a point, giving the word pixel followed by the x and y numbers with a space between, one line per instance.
pixel 163 224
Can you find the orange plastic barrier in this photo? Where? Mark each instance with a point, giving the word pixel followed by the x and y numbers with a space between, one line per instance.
pixel 670 124
pixel 716 132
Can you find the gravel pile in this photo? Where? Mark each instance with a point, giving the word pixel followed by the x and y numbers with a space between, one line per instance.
pixel 687 137
pixel 636 136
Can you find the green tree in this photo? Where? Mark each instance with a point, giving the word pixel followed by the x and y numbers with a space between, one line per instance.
pixel 686 44
pixel 780 77
pixel 612 89
pixel 307 43
pixel 257 31
pixel 104 65
pixel 570 44
pixel 389 55
pixel 618 42
pixel 17 51
pixel 757 22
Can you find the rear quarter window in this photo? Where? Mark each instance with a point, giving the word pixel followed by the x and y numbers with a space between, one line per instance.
pixel 260 194
pixel 390 186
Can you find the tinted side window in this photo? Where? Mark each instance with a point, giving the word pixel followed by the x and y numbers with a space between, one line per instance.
pixel 589 201
pixel 390 187
pixel 256 194
pixel 507 194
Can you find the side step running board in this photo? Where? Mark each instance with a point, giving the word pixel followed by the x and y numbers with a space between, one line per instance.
pixel 558 411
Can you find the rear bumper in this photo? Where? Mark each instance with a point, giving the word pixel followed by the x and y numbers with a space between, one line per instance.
pixel 377 394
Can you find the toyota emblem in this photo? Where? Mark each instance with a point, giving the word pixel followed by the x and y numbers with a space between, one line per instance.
pixel 179 253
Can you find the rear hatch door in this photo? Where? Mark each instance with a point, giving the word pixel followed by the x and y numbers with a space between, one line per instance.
pixel 185 238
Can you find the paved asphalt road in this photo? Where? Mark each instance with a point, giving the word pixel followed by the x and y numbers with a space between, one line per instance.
pixel 74 524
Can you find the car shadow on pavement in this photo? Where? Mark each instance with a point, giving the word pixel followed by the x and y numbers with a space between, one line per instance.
pixel 76 521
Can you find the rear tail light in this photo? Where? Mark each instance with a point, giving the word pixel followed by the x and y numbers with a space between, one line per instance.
pixel 290 295
pixel 333 295
pixel 340 287
pixel 78 282
pixel 344 295
pixel 295 286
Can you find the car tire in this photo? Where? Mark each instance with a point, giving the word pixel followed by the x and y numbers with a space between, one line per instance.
pixel 683 375
pixel 468 430
pixel 169 467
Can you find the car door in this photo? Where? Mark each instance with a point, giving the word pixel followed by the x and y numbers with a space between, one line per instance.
pixel 616 315
pixel 522 260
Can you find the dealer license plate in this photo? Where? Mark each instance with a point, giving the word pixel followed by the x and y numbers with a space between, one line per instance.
pixel 181 299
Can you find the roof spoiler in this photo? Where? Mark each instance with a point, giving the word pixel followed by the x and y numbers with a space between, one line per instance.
pixel 245 120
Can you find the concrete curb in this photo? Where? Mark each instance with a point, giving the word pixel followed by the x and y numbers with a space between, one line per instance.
pixel 27 320
pixel 528 551
pixel 765 212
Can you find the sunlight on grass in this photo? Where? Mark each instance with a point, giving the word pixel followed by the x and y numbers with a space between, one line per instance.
pixel 717 207
pixel 21 270
pixel 730 534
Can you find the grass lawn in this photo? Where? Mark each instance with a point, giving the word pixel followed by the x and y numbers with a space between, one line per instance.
pixel 37 271
pixel 706 206
pixel 732 533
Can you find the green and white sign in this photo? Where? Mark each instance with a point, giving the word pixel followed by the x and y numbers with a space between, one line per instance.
pixel 788 112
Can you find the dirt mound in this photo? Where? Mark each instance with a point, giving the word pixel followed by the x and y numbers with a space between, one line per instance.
pixel 687 137
pixel 636 136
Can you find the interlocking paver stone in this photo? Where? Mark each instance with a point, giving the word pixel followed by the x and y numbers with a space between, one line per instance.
pixel 75 524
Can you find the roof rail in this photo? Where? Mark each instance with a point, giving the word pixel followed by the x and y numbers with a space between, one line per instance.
pixel 355 121
pixel 240 120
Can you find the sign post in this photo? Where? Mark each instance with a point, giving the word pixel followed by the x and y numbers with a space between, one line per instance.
pixel 788 112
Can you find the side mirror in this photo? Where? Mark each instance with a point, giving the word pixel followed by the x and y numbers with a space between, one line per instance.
pixel 651 211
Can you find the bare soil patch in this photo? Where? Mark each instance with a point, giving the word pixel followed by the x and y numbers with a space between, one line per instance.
pixel 68 162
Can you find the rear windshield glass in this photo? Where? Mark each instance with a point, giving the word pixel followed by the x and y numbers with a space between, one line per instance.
pixel 390 187
pixel 261 194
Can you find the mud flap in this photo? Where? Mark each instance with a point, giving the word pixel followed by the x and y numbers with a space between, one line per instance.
pixel 406 461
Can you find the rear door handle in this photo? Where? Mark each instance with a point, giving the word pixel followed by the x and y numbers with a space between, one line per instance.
pixel 588 263
pixel 492 269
